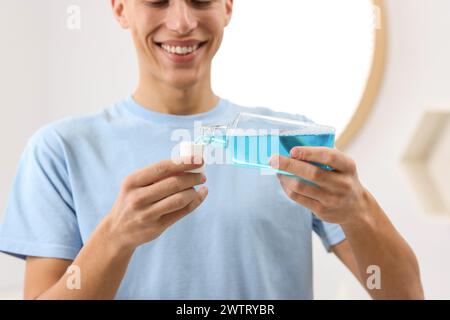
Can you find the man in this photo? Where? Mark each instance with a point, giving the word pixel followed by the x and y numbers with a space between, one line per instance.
pixel 93 193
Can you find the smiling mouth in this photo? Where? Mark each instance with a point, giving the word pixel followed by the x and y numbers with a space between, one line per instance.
pixel 180 50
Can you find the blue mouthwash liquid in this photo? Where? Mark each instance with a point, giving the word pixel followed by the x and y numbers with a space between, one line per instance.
pixel 254 151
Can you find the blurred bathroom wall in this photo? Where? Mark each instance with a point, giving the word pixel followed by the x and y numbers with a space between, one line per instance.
pixel 23 75
pixel 417 78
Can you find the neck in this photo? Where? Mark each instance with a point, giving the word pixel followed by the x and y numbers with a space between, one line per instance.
pixel 161 97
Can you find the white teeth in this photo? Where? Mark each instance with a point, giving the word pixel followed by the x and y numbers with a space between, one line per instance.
pixel 180 50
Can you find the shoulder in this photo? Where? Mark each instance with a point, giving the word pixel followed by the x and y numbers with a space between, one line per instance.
pixel 57 135
pixel 266 111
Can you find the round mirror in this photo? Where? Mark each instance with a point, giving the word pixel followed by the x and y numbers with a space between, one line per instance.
pixel 319 58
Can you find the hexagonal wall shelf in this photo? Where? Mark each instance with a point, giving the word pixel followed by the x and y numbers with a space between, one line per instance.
pixel 427 163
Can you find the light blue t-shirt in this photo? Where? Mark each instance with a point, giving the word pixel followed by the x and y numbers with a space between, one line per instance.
pixel 247 240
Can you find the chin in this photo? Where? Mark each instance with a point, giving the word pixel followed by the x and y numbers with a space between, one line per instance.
pixel 182 81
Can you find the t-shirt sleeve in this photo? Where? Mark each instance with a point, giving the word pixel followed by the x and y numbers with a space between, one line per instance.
pixel 40 218
pixel 330 233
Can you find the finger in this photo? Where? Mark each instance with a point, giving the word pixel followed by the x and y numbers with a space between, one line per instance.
pixel 304 170
pixel 161 170
pixel 173 203
pixel 168 187
pixel 302 188
pixel 323 155
pixel 170 218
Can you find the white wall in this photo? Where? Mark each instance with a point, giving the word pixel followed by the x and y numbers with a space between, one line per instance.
pixel 23 59
pixel 417 76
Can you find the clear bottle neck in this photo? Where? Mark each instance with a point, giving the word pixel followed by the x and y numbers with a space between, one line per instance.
pixel 213 134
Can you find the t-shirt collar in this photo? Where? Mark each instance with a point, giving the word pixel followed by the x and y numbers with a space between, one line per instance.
pixel 174 120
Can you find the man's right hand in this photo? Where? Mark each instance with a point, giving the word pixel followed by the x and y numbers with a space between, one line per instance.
pixel 152 199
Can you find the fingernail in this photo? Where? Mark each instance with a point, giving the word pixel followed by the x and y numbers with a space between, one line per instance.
pixel 203 177
pixel 274 162
pixel 295 153
pixel 204 192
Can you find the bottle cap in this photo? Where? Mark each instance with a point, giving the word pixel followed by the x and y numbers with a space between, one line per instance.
pixel 191 148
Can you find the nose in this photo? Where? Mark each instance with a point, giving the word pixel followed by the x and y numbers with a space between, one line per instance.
pixel 180 18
